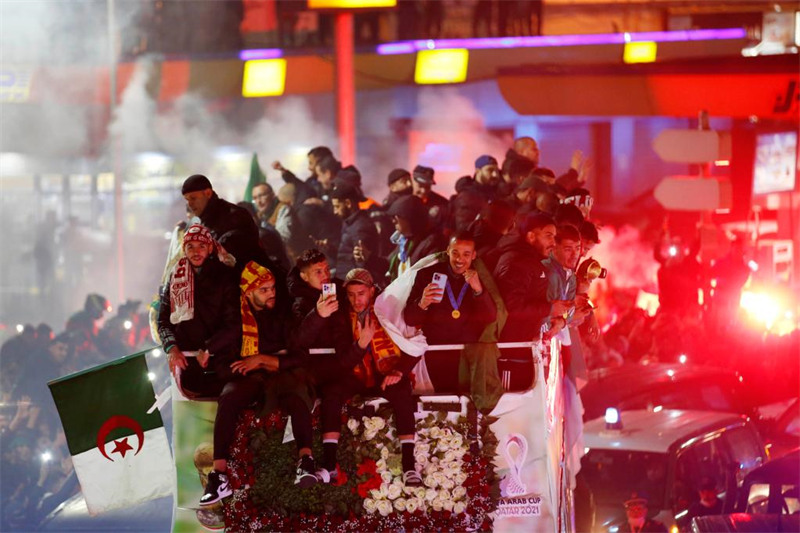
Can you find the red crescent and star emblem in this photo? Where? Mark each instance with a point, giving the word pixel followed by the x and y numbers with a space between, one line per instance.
pixel 121 445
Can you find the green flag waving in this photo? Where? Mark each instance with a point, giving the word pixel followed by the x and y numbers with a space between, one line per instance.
pixel 256 176
pixel 117 439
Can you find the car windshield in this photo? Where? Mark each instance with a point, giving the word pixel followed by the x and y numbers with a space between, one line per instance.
pixel 613 475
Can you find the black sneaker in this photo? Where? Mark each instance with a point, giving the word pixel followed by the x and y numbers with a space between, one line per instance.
pixel 305 472
pixel 327 476
pixel 216 488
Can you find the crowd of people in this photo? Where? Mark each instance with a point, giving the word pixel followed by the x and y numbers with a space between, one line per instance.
pixel 251 290
pixel 35 462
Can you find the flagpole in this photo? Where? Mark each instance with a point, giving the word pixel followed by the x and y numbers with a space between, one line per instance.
pixel 115 161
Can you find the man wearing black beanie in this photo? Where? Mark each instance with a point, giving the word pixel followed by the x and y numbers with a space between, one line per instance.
pixel 231 225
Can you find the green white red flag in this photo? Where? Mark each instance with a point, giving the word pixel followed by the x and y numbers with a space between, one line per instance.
pixel 120 451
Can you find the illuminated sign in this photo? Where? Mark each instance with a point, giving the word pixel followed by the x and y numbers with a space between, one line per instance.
pixel 15 84
pixel 264 77
pixel 441 66
pixel 640 52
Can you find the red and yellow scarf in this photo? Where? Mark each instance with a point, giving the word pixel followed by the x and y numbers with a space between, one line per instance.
pixel 253 276
pixel 382 353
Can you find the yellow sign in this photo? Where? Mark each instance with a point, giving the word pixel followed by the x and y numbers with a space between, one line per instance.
pixel 640 52
pixel 350 4
pixel 15 84
pixel 264 77
pixel 441 66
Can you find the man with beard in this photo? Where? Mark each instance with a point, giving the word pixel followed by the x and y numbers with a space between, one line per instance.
pixel 436 204
pixel 199 327
pixel 232 226
pixel 272 212
pixel 371 364
pixel 475 192
pixel 455 313
pixel 523 281
pixel 358 231
pixel 272 365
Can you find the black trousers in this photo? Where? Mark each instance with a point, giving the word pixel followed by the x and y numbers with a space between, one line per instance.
pixel 235 393
pixel 335 392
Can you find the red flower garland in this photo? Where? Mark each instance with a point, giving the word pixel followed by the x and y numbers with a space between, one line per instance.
pixel 241 514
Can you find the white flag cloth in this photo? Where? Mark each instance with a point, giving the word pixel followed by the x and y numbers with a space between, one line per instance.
pixel 389 310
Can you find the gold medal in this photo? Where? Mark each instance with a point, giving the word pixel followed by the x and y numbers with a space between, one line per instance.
pixel 456 314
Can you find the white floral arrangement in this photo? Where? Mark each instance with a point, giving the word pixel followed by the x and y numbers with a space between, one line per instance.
pixel 439 450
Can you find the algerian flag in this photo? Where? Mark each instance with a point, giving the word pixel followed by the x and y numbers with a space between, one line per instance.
pixel 120 452
pixel 256 176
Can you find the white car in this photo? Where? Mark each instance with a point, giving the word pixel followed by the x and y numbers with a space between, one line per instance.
pixel 666 454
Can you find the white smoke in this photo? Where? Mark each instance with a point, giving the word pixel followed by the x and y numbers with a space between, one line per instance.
pixel 448 134
pixel 627 257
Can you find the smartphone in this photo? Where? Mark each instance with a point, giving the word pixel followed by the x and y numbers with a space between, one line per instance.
pixel 439 280
pixel 328 289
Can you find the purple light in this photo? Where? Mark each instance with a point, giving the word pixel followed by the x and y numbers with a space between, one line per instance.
pixel 260 53
pixel 397 48
pixel 407 47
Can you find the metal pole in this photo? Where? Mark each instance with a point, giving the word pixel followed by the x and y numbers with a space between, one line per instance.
pixel 345 87
pixel 115 161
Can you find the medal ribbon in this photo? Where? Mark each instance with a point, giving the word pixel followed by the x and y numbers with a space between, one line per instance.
pixel 453 302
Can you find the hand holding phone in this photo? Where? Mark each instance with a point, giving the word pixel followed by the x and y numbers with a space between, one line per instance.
pixel 328 290
pixel 434 292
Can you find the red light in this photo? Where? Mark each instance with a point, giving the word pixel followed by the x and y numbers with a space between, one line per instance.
pixel 722 163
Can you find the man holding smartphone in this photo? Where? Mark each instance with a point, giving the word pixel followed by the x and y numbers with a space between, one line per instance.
pixel 370 364
pixel 316 301
pixel 449 304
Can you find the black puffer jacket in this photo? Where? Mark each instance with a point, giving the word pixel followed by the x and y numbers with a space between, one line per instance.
pixel 217 323
pixel 235 230
pixel 359 227
pixel 522 280
pixel 313 331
